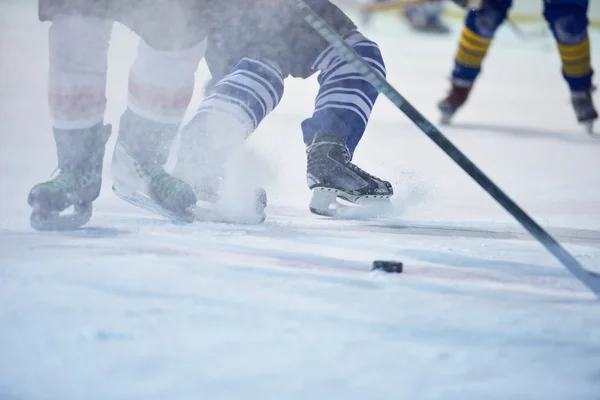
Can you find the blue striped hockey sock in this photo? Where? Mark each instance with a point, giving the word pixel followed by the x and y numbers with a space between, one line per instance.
pixel 345 99
pixel 248 93
pixel 234 107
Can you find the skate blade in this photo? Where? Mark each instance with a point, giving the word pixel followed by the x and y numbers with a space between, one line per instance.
pixel 195 214
pixel 336 204
pixel 142 200
pixel 216 212
pixel 55 221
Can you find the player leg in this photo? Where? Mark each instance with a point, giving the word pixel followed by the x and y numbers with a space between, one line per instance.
pixel 247 84
pixel 161 84
pixel 475 39
pixel 568 22
pixel 342 107
pixel 231 111
pixel 78 48
pixel 342 110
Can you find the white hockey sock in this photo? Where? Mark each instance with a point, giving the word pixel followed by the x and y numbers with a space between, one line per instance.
pixel 78 48
pixel 161 83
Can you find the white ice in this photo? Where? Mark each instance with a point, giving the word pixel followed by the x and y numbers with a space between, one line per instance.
pixel 134 307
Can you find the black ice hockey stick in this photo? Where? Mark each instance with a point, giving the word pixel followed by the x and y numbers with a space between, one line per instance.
pixel 588 278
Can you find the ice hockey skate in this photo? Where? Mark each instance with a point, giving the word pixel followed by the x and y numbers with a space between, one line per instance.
pixel 584 110
pixel 77 184
pixel 196 212
pixel 456 98
pixel 141 151
pixel 141 179
pixel 341 189
pixel 215 172
pixel 423 20
pixel 222 197
pixel 150 187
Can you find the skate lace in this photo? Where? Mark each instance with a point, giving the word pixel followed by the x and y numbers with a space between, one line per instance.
pixel 63 181
pixel 359 170
pixel 164 182
pixel 346 158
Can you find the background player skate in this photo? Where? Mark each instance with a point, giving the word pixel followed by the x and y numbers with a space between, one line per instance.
pixel 425 17
pixel 249 61
pixel 161 83
pixel 567 20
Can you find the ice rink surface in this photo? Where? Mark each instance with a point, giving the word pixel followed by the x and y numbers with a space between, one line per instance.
pixel 135 307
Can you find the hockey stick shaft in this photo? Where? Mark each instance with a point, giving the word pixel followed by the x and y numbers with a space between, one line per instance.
pixel 590 279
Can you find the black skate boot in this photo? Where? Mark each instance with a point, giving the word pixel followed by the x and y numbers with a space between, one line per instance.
pixel 459 92
pixel 80 155
pixel 140 154
pixel 332 177
pixel 584 110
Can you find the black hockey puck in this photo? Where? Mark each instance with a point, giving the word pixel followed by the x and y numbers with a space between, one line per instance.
pixel 394 267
